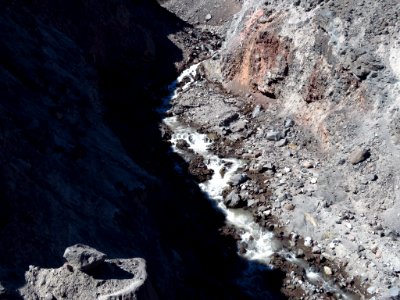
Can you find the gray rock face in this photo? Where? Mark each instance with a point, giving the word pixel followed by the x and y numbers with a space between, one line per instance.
pixel 83 257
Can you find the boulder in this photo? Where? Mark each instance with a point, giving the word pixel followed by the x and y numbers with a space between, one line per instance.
pixel 83 257
pixel 238 179
pixel 274 136
pixel 359 155
pixel 233 200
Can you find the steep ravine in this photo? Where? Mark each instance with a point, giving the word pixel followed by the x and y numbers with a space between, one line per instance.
pixel 82 159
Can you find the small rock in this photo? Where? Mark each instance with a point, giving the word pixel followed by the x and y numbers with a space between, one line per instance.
pixel 307 165
pixel 256 111
pixel 83 257
pixel 208 17
pixel 289 123
pixel 316 250
pixel 274 136
pixel 233 200
pixel 182 144
pixel 49 296
pixel 359 155
pixel 371 290
pixel 313 180
pixel 281 143
pixel 394 292
pixel 269 166
pixel 288 206
pixel 327 270
pixel 299 253
pixel 263 20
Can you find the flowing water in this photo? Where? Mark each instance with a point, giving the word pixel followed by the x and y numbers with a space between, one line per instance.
pixel 261 244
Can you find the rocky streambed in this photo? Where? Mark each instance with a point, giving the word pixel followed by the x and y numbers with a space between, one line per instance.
pixel 241 194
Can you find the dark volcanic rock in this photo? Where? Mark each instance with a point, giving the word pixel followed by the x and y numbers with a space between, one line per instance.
pixel 199 170
pixel 83 257
pixel 233 200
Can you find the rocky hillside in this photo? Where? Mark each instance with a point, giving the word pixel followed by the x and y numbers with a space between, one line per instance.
pixel 311 97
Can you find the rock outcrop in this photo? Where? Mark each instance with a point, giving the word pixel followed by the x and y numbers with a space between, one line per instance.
pixel 110 279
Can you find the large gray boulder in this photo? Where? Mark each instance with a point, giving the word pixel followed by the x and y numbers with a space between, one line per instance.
pixel 83 257
pixel 238 179
pixel 233 200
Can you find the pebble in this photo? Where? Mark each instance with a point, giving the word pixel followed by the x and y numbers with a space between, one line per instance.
pixel 288 123
pixel 307 165
pixel 348 225
pixel 299 253
pixel 316 250
pixel 208 17
pixel 327 270
pixel 281 143
pixel 313 180
pixel 274 136
pixel 289 206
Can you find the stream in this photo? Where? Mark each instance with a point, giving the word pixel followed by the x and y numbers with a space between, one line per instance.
pixel 261 244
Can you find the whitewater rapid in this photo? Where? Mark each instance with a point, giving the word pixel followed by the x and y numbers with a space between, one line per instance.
pixel 258 240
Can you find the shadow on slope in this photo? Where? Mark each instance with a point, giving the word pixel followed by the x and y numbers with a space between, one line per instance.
pixel 66 179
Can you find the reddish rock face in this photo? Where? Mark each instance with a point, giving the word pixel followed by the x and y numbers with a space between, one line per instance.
pixel 261 62
pixel 317 84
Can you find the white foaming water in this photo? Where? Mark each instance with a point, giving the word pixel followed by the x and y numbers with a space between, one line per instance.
pixel 188 74
pixel 257 239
